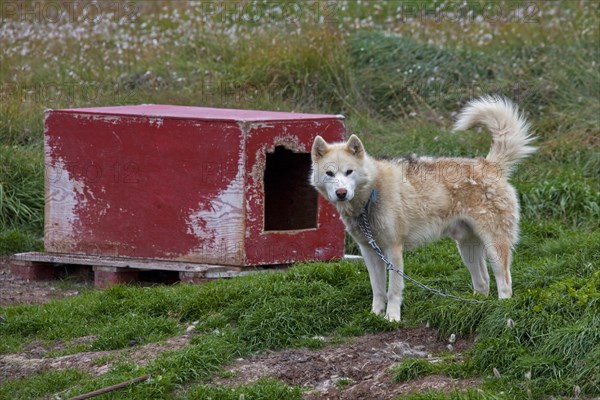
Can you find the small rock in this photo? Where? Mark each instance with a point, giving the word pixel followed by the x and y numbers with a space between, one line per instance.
pixel 135 341
pixel 403 349
pixel 103 369
pixel 190 328
pixel 510 323
pixel 452 338
pixel 450 347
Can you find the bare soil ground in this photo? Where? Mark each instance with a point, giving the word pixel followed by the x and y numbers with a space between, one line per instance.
pixel 357 369
pixel 36 357
pixel 18 291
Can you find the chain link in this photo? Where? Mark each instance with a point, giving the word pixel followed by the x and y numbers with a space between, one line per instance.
pixel 363 223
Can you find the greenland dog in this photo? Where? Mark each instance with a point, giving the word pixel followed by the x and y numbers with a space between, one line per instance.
pixel 415 200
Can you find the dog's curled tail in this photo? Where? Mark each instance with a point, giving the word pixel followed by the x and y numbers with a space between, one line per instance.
pixel 510 130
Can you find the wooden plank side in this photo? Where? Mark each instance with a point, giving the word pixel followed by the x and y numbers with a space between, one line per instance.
pixel 144 188
pixel 196 113
pixel 206 271
pixel 323 242
pixel 118 262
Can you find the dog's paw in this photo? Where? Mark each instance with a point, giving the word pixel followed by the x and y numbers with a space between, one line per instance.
pixel 393 317
pixel 378 307
pixel 379 311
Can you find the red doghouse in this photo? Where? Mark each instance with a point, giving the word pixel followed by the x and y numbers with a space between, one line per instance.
pixel 200 185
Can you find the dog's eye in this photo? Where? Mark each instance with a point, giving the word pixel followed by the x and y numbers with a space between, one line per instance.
pixel 330 173
pixel 349 172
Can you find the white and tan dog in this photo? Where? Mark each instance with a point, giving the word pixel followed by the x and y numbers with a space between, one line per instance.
pixel 419 199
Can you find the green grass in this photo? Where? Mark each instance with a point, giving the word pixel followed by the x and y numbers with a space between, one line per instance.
pixel 470 394
pixel 553 327
pixel 262 389
pixel 412 368
pixel 41 385
pixel 21 198
pixel 399 82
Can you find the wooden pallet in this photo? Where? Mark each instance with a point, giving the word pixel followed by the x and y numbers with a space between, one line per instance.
pixel 111 270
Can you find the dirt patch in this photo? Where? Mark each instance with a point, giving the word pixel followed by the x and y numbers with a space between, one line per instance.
pixel 18 291
pixel 355 370
pixel 35 360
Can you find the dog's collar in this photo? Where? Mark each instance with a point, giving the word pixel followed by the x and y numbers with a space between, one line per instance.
pixel 372 199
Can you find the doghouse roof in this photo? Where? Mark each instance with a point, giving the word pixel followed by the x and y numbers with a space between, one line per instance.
pixel 199 113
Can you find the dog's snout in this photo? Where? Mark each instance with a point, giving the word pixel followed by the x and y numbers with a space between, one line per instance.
pixel 341 193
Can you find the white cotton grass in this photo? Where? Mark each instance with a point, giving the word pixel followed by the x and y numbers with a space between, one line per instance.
pixel 120 36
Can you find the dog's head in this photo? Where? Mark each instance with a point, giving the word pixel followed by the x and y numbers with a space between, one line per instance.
pixel 338 169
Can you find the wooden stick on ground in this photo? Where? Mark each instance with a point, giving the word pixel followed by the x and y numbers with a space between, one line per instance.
pixel 111 388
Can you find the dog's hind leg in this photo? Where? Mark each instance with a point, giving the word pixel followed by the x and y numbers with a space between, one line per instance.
pixel 472 252
pixel 396 285
pixel 377 273
pixel 500 254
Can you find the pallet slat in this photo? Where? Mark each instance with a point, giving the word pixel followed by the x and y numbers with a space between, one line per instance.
pixel 110 270
pixel 120 262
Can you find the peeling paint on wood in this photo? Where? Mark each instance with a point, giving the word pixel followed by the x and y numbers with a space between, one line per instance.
pixel 221 220
pixel 178 183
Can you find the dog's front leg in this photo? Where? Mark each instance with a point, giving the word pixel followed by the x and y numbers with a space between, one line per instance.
pixel 396 284
pixel 376 269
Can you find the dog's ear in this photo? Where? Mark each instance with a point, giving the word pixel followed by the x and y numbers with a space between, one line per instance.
pixel 355 146
pixel 319 148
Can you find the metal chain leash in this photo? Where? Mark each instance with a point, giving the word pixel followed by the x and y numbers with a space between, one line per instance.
pixel 363 223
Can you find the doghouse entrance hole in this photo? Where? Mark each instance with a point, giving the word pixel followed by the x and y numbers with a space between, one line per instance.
pixel 290 202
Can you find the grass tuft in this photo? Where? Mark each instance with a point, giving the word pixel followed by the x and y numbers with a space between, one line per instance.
pixel 412 368
pixel 265 389
pixel 42 385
